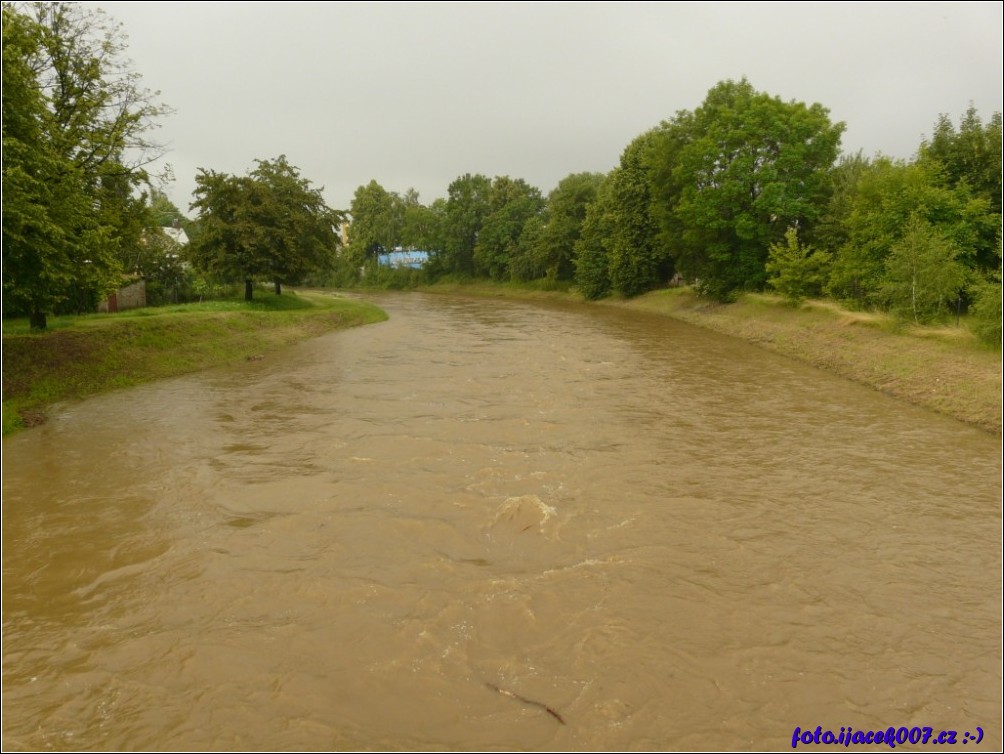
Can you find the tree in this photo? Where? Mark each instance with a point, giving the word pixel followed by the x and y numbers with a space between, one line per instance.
pixel 527 261
pixel 971 154
pixel 751 167
pixel 923 274
pixel 423 226
pixel 163 212
pixel 270 224
pixel 796 271
pixel 377 221
pixel 987 310
pixel 971 157
pixel 301 228
pixel 467 206
pixel 511 203
pixel 566 212
pixel 75 124
pixel 637 259
pixel 887 195
pixel 591 255
pixel 831 230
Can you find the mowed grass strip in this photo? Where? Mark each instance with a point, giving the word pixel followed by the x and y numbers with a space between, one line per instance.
pixel 81 356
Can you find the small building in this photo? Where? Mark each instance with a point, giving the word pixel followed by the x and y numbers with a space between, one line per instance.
pixel 130 296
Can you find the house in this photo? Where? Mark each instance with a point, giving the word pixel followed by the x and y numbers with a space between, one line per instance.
pixel 177 234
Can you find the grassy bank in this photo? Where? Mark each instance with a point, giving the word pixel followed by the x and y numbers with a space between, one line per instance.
pixel 941 368
pixel 85 355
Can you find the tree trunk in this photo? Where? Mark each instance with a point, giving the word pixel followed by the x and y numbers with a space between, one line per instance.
pixel 913 298
pixel 278 288
pixel 37 321
pixel 248 290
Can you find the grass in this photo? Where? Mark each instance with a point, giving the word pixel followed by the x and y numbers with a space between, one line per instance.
pixel 943 368
pixel 90 354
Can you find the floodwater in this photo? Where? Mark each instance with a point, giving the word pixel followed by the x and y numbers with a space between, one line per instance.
pixel 427 533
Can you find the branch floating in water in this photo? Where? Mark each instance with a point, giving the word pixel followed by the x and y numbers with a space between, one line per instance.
pixel 512 695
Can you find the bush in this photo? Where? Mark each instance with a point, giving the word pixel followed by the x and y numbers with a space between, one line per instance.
pixel 986 312
pixel 795 271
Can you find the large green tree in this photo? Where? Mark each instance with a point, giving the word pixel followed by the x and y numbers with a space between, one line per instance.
pixel 592 265
pixel 467 206
pixel 970 156
pixel 75 125
pixel 970 153
pixel 637 258
pixel 752 166
pixel 270 224
pixel 621 248
pixel 377 221
pixel 553 251
pixel 512 202
pixel 423 225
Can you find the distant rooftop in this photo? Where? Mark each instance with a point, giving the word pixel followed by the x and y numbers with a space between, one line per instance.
pixel 178 235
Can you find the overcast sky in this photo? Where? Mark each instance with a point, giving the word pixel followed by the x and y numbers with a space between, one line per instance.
pixel 415 94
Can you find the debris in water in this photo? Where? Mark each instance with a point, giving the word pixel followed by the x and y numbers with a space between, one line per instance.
pixel 512 695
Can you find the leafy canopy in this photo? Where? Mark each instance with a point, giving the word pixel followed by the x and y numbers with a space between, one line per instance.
pixel 75 142
pixel 270 224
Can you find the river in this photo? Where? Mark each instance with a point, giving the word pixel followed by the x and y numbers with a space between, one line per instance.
pixel 451 529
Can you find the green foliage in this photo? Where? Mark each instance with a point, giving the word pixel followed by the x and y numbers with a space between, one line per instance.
pixel 164 214
pixel 528 260
pixel 591 256
pixel 160 260
pixel 986 311
pixel 637 260
pixel 553 250
pixel 970 155
pixel 74 125
pixel 885 197
pixel 923 276
pixel 795 270
pixel 466 209
pixel 970 158
pixel 831 231
pixel 268 225
pixel 511 204
pixel 749 167
pixel 377 221
pixel 423 226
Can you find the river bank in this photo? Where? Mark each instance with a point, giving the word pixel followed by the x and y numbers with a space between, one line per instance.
pixel 941 368
pixel 82 356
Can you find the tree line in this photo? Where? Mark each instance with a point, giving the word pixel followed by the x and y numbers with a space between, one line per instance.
pixel 746 192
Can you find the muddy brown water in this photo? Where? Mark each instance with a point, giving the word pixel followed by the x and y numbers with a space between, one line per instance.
pixel 670 538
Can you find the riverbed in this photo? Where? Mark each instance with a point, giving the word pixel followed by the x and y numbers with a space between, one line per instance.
pixel 491 524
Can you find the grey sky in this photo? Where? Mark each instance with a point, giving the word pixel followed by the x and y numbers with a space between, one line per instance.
pixel 415 94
